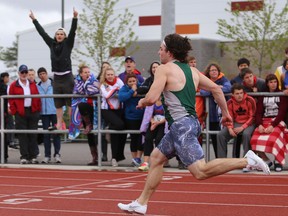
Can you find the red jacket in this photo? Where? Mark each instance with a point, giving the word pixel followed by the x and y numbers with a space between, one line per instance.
pixel 243 112
pixel 17 104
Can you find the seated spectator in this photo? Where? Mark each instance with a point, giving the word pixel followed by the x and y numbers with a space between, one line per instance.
pixel 242 110
pixel 133 116
pixel 252 83
pixel 213 72
pixel 85 108
pixel 269 136
pixel 153 127
pixel 242 63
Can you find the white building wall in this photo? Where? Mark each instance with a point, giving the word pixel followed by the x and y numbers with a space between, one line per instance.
pixel 34 52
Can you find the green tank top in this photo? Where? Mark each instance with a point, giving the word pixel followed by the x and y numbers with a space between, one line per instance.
pixel 178 104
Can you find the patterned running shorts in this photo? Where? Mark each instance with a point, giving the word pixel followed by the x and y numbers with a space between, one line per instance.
pixel 182 140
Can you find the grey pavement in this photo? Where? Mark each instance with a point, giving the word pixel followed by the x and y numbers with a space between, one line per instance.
pixel 76 155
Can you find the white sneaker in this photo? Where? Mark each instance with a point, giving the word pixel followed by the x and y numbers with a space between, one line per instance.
pixel 245 169
pixel 255 162
pixel 114 162
pixel 46 160
pixel 34 161
pixel 134 206
pixel 57 158
pixel 23 161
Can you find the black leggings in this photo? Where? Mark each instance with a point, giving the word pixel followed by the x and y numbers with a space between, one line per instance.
pixel 114 119
pixel 156 134
pixel 136 139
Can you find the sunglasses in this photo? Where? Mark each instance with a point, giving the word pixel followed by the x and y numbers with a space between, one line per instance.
pixel 24 72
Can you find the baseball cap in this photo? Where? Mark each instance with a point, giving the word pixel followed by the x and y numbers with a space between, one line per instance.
pixel 23 68
pixel 61 29
pixel 130 57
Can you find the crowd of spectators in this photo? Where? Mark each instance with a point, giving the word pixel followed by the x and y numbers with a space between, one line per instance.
pixel 258 122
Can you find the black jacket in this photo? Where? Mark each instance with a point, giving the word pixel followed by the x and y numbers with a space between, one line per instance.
pixel 60 53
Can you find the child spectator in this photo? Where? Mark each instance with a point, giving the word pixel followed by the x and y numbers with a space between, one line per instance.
pixel 153 127
pixel 133 116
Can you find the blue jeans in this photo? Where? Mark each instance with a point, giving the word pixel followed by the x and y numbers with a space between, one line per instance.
pixel 47 121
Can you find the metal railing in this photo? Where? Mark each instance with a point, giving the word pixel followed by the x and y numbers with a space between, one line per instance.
pixel 99 131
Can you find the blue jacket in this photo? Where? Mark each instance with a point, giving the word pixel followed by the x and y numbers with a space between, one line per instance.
pixel 125 95
pixel 48 107
pixel 213 112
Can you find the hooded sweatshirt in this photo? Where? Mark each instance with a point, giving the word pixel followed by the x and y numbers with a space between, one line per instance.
pixel 242 112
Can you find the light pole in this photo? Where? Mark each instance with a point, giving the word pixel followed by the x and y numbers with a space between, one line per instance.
pixel 62 11
pixel 167 17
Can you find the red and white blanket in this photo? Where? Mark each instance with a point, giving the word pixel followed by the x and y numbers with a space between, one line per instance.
pixel 275 142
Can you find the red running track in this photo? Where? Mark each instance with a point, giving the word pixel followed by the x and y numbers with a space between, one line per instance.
pixel 35 192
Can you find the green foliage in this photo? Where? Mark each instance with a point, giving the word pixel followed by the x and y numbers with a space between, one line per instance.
pixel 9 55
pixel 100 30
pixel 260 35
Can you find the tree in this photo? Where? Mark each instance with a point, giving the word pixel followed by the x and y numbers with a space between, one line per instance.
pixel 9 55
pixel 101 30
pixel 260 35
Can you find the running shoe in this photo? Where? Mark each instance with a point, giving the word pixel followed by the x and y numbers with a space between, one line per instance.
pixel 136 162
pixel 134 206
pixel 144 166
pixel 255 162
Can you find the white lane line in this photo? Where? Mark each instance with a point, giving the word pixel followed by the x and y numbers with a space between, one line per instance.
pixel 71 211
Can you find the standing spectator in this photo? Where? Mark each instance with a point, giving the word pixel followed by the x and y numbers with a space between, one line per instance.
pixel 9 122
pixel 145 86
pixel 153 127
pixel 191 61
pixel 104 143
pixel 32 78
pixel 282 69
pixel 284 77
pixel 252 83
pixel 48 117
pixel 213 72
pixel 130 67
pixel 32 75
pixel 26 111
pixel 133 116
pixel 242 110
pixel 269 136
pixel 87 84
pixel 242 63
pixel 60 52
pixel 3 91
pixel 112 112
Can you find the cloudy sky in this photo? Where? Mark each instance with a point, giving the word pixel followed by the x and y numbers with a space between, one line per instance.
pixel 15 16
